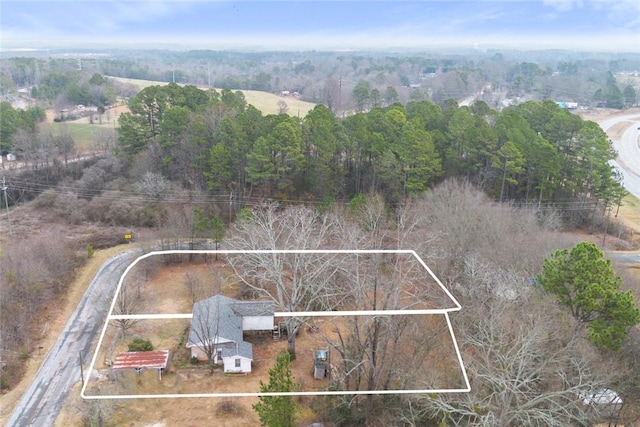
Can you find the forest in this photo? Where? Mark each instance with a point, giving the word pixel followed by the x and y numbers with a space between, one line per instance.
pixel 213 142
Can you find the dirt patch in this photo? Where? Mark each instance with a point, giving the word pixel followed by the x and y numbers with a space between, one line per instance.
pixel 617 130
pixel 108 118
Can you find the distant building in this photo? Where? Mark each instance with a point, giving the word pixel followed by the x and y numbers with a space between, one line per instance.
pixel 567 105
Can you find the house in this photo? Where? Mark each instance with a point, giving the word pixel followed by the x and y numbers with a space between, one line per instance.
pixel 218 325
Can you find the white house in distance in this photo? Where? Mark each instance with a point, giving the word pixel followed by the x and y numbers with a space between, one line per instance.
pixel 219 323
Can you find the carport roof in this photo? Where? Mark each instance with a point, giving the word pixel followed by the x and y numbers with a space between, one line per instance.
pixel 141 360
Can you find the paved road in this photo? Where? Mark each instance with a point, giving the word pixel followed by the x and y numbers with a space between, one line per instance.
pixel 628 160
pixel 60 371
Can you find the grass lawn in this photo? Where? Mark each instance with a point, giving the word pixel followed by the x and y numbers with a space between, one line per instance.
pixel 629 213
pixel 81 133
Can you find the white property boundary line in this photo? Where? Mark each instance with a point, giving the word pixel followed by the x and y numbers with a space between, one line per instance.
pixel 445 312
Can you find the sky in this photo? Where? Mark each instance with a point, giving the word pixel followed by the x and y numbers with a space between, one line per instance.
pixel 593 25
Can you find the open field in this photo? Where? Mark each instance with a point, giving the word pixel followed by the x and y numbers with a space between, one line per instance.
pixel 82 130
pixel 263 101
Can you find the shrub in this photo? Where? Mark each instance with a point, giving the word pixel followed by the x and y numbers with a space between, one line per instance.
pixel 140 344
pixel 47 199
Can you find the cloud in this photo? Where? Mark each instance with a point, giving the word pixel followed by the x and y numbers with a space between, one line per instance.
pixel 620 13
pixel 626 13
pixel 563 5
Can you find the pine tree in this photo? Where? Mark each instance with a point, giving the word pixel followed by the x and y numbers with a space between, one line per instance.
pixel 583 280
pixel 277 411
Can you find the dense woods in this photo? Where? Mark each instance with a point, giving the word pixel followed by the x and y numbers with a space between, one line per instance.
pixel 533 153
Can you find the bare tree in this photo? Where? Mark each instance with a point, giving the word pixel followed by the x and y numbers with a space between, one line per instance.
pixel 45 148
pixel 104 139
pixel 129 301
pixel 204 329
pixel 294 281
pixel 152 185
pixel 331 93
pixel 526 368
pixel 195 286
pixel 386 352
pixel 65 143
pixel 24 145
pixel 282 107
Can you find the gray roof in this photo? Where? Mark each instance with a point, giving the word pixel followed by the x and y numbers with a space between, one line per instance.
pixel 214 317
pixel 254 308
pixel 222 317
pixel 243 349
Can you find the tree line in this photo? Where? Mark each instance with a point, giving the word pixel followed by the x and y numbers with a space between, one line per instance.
pixel 329 77
pixel 534 152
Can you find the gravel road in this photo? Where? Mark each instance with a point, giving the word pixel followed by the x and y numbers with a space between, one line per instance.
pixel 60 371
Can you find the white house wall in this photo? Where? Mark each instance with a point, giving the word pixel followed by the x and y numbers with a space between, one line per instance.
pixel 230 364
pixel 257 323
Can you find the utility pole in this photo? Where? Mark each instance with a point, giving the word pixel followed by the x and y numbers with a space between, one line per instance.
pixel 81 369
pixel 230 207
pixel 606 224
pixel 6 203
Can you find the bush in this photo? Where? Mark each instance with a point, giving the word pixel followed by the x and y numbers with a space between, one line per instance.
pixel 140 344
pixel 47 199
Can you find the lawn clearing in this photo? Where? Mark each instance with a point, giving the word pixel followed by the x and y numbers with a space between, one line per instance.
pixel 629 214
pixel 81 133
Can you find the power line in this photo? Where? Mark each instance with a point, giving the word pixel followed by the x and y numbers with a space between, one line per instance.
pixel 6 203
